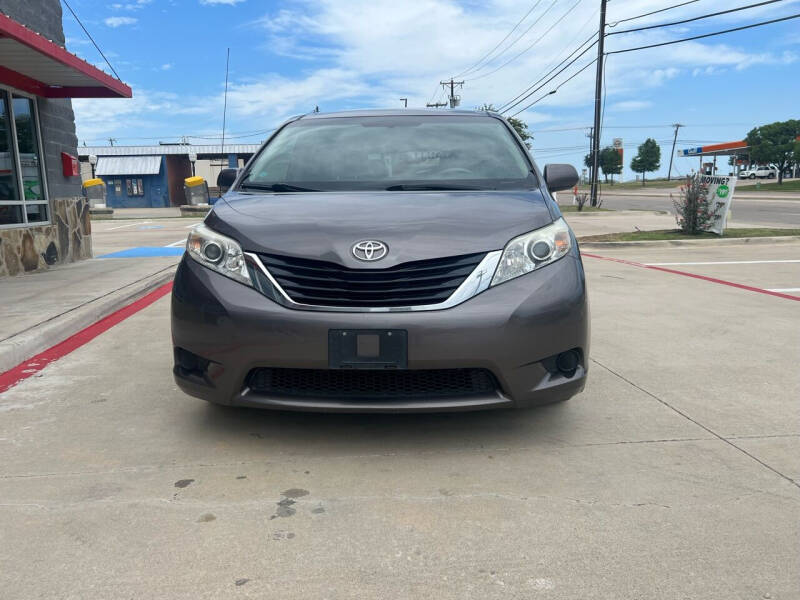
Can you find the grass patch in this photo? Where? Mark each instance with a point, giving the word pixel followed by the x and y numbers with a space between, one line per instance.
pixel 636 185
pixel 792 185
pixel 677 234
pixel 573 208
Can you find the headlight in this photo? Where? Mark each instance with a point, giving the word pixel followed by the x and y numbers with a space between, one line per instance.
pixel 533 250
pixel 217 252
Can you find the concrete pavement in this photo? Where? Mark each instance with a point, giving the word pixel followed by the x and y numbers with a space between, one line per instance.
pixel 674 475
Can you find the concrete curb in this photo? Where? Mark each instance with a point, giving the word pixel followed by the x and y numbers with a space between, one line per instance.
pixel 30 342
pixel 615 213
pixel 668 243
pixel 784 196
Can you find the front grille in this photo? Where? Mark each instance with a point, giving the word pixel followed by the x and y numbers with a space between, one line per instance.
pixel 347 384
pixel 415 283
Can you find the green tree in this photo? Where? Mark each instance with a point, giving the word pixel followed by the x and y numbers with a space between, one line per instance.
pixel 775 143
pixel 520 126
pixel 610 162
pixel 647 159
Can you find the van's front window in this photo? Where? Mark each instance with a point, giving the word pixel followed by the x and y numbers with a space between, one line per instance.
pixel 395 153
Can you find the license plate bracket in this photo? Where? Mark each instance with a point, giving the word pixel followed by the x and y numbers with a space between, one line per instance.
pixel 367 349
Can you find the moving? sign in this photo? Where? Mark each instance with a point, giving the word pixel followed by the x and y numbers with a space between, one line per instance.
pixel 720 194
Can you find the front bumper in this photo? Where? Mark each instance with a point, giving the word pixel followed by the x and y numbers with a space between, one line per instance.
pixel 509 330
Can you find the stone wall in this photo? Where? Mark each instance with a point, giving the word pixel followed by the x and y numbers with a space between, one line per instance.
pixel 34 248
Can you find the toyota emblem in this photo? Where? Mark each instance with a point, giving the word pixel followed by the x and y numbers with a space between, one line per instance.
pixel 369 250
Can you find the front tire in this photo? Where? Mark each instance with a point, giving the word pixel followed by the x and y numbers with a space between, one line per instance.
pixel 771 176
pixel 752 175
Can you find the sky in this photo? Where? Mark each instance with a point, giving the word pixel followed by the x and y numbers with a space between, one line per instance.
pixel 287 58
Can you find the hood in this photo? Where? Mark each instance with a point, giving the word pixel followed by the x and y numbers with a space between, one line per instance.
pixel 414 225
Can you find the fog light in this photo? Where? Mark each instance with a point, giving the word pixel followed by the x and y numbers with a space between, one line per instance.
pixel 567 362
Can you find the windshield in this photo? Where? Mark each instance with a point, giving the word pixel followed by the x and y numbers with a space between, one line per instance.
pixel 395 153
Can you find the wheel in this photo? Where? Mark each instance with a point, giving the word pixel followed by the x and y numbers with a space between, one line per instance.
pixel 771 176
pixel 752 175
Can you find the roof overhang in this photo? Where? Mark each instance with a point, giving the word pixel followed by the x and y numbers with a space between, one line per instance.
pixel 33 64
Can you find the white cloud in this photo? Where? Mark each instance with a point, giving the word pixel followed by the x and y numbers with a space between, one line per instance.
pixel 120 21
pixel 166 66
pixel 630 105
pixel 228 2
pixel 139 4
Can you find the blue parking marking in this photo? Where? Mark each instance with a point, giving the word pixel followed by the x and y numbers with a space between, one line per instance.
pixel 144 252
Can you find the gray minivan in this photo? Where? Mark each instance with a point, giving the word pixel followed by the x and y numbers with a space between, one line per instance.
pixel 409 260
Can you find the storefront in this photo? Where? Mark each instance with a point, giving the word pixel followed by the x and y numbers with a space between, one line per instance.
pixel 44 220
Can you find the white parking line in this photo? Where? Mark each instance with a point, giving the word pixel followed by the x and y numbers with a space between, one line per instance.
pixel 128 225
pixel 176 244
pixel 192 225
pixel 782 290
pixel 724 262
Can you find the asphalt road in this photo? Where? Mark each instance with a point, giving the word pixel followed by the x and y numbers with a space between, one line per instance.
pixel 674 475
pixel 765 213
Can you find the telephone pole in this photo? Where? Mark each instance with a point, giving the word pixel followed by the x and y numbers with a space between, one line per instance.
pixel 112 140
pixel 454 100
pixel 598 100
pixel 672 154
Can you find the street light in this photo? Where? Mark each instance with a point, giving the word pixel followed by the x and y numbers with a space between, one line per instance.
pixel 192 159
pixel 93 162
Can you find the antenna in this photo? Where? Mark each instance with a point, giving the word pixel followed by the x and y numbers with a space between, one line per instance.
pixel 224 111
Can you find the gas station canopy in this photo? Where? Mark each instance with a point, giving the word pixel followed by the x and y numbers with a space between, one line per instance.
pixel 725 149
pixel 34 64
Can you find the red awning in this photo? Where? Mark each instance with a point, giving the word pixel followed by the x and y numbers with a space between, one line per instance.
pixel 38 66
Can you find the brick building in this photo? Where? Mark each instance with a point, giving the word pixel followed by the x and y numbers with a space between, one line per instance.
pixel 44 220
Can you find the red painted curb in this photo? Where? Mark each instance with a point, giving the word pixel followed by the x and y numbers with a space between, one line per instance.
pixel 740 286
pixel 35 364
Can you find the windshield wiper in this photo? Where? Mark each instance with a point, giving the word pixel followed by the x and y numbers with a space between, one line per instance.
pixel 421 187
pixel 275 187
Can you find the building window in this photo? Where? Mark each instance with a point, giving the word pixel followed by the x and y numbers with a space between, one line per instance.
pixel 134 187
pixel 22 189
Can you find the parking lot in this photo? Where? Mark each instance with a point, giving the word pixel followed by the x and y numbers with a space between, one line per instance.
pixel 673 475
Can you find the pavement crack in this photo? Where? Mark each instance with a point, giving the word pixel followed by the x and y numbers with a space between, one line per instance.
pixel 696 422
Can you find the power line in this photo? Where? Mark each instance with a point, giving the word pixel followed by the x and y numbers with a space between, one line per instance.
pixel 539 39
pixel 89 35
pixel 501 41
pixel 529 94
pixel 660 10
pixel 697 37
pixel 506 104
pixel 575 74
pixel 706 16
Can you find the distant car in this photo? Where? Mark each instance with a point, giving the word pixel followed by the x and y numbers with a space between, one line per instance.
pixel 761 172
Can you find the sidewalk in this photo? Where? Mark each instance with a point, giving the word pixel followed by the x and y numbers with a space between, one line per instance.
pixel 42 309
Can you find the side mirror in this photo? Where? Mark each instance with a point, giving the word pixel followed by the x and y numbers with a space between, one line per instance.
pixel 560 177
pixel 226 178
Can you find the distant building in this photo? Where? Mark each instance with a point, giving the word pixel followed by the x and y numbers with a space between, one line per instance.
pixel 152 176
pixel 44 220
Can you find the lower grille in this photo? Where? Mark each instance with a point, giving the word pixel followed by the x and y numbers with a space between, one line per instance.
pixel 372 384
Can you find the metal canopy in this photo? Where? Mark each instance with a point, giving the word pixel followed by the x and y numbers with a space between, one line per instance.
pixel 33 64
pixel 128 165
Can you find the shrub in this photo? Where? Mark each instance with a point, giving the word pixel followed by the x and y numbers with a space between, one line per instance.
pixel 695 212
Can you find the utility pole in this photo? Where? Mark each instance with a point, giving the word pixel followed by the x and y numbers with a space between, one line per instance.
pixel 590 135
pixel 598 100
pixel 436 104
pixel 112 140
pixel 405 102
pixel 454 100
pixel 672 154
